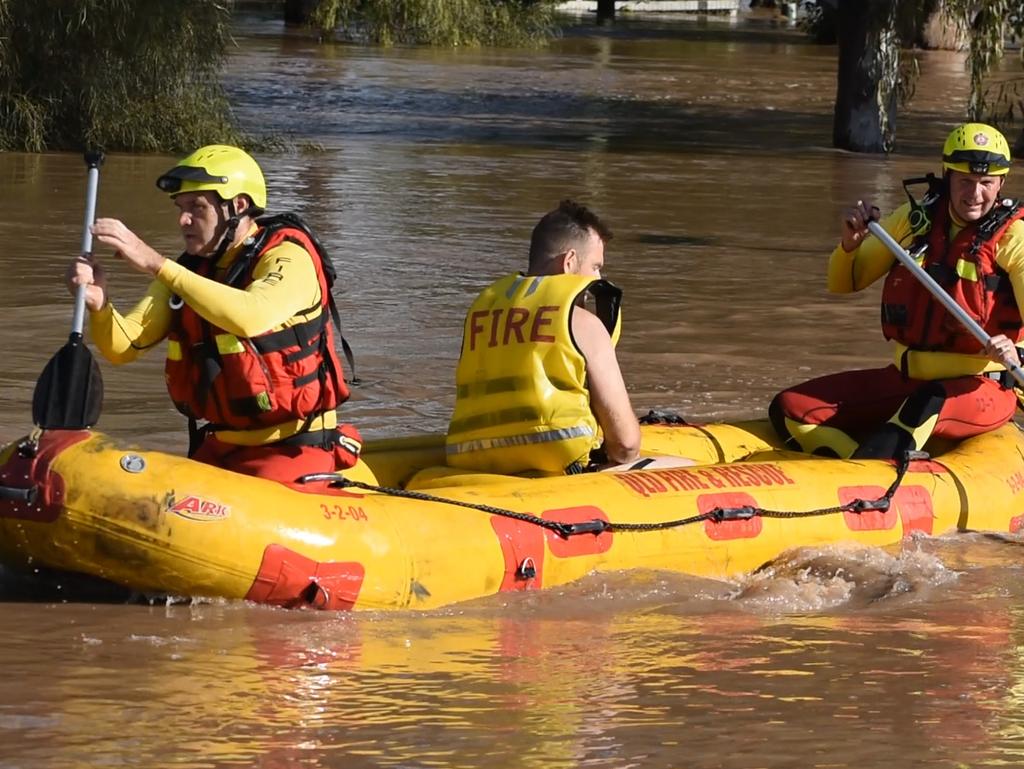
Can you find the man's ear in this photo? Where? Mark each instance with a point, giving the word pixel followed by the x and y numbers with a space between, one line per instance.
pixel 242 203
pixel 570 262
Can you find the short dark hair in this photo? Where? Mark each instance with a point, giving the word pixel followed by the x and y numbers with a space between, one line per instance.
pixel 568 226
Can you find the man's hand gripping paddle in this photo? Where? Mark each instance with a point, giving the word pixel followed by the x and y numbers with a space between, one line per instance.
pixel 69 393
pixel 938 292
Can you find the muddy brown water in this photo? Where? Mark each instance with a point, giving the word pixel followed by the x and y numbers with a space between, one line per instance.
pixel 707 149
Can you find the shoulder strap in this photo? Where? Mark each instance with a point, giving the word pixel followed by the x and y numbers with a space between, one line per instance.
pixel 270 226
pixel 920 217
pixel 192 263
pixel 998 219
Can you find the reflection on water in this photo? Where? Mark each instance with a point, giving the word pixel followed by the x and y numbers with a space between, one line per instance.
pixel 656 671
pixel 707 150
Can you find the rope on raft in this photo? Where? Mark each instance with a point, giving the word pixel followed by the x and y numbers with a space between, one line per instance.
pixel 597 526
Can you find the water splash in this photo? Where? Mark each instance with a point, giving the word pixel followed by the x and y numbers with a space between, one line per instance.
pixel 811 579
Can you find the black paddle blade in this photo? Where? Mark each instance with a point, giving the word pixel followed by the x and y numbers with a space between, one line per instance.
pixel 69 393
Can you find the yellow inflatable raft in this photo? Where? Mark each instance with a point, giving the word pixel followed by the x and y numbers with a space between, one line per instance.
pixel 412 534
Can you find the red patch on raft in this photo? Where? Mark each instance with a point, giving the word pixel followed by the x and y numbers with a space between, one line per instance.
pixel 25 472
pixel 291 580
pixel 912 505
pixel 579 544
pixel 522 544
pixel 869 520
pixel 522 547
pixel 725 530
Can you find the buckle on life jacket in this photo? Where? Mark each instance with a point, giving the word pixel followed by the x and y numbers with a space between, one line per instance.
pixel 1004 377
pixel 325 439
pixel 344 440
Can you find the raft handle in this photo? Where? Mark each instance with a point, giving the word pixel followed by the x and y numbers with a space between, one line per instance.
pixel 595 526
pixel 14 494
pixel 315 595
pixel 720 514
pixel 864 505
pixel 527 569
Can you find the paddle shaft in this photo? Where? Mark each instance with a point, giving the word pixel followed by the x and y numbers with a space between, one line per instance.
pixel 93 161
pixel 939 293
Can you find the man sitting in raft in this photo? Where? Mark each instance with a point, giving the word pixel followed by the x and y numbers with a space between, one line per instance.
pixel 246 311
pixel 538 374
pixel 943 382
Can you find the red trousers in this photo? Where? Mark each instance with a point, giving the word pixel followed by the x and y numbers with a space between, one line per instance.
pixel 858 402
pixel 280 463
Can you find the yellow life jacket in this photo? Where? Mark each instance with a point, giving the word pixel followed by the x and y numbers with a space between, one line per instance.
pixel 522 402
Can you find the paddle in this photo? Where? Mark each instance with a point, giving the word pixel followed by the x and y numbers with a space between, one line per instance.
pixel 69 393
pixel 938 292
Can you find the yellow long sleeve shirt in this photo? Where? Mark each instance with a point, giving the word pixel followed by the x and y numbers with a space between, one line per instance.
pixel 284 283
pixel 850 271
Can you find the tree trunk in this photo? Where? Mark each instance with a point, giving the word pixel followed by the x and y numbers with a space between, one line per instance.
pixel 859 123
pixel 605 11
pixel 298 11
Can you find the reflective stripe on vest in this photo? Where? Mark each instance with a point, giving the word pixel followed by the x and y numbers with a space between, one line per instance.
pixel 966 270
pixel 227 344
pixel 529 439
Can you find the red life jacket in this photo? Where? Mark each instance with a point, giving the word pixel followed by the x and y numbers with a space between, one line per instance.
pixel 967 270
pixel 248 383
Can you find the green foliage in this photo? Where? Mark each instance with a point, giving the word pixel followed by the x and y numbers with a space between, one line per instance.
pixel 886 66
pixel 438 22
pixel 990 23
pixel 133 75
pixel 819 21
pixel 986 24
pixel 985 21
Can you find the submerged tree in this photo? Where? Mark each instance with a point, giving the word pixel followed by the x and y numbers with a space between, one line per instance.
pixel 873 75
pixel 438 22
pixel 989 23
pixel 865 106
pixel 134 75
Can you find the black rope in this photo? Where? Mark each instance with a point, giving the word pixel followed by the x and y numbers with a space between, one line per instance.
pixel 598 526
pixel 339 481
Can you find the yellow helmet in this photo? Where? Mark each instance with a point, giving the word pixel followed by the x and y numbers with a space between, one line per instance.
pixel 976 148
pixel 219 168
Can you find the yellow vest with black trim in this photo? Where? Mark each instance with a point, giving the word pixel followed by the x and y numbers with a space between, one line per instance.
pixel 522 402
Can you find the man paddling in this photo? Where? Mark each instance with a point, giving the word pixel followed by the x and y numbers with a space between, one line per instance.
pixel 538 382
pixel 246 311
pixel 944 382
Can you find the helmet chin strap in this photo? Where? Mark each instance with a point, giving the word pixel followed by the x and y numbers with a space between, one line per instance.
pixel 232 226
